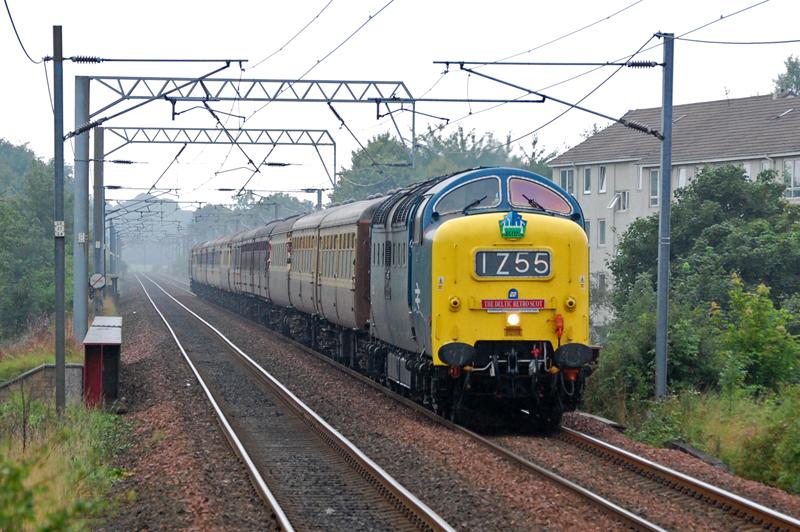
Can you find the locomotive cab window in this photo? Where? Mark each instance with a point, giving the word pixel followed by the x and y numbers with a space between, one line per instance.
pixel 479 194
pixel 529 194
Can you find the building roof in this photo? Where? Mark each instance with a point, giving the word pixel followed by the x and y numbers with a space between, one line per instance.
pixel 736 129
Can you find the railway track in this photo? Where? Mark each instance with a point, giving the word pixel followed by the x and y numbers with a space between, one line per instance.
pixel 305 471
pixel 628 518
pixel 750 513
pixel 701 497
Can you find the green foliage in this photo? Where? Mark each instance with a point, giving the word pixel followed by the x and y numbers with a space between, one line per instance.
pixel 757 437
pixel 789 80
pixel 625 372
pixel 16 499
pixel 26 241
pixel 755 341
pixel 385 163
pixel 721 223
pixel 15 161
pixel 60 478
pixel 624 379
pixel 772 455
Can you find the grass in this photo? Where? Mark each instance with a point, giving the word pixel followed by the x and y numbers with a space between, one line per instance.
pixel 33 349
pixel 55 473
pixel 758 437
pixel 37 346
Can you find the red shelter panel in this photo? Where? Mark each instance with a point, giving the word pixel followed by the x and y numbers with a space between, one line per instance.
pixel 101 358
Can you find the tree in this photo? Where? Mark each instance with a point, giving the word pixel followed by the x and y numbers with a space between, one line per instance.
pixel 789 80
pixel 384 164
pixel 26 239
pixel 721 223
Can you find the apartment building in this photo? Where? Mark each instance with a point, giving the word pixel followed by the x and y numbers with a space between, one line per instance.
pixel 614 174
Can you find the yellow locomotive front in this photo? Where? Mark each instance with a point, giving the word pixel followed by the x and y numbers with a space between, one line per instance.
pixel 510 312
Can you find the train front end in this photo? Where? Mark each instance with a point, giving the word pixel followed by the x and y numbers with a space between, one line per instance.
pixel 510 308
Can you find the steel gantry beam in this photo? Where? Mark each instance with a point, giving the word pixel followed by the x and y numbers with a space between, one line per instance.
pixel 187 135
pixel 254 90
pixel 316 138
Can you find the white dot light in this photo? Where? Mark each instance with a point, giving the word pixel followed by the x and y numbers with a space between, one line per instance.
pixel 512 319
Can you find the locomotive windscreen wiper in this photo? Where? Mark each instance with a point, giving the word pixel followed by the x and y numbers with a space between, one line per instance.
pixel 533 203
pixel 473 204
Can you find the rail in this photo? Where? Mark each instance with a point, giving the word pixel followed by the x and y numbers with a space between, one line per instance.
pixel 257 480
pixel 757 513
pixel 403 499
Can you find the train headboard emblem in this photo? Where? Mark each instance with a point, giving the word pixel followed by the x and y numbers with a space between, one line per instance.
pixel 512 225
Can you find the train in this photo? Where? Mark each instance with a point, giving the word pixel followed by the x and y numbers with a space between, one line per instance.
pixel 468 292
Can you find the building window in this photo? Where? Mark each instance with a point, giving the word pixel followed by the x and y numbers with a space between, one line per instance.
pixel 621 201
pixel 588 226
pixel 601 281
pixel 654 188
pixel 568 180
pixel 587 180
pixel 601 232
pixel 601 180
pixel 682 177
pixel 791 177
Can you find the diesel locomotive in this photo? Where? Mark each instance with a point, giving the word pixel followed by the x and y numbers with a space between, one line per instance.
pixel 467 292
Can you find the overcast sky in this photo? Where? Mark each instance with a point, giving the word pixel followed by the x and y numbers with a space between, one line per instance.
pixel 399 43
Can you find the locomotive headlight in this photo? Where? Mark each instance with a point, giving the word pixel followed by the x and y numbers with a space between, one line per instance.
pixel 512 319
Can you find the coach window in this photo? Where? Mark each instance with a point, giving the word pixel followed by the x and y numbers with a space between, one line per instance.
pixel 479 194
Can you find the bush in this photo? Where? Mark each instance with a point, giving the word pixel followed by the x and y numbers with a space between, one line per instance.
pixel 772 455
pixel 55 472
pixel 755 339
pixel 758 438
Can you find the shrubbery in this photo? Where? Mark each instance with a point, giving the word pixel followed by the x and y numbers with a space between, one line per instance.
pixel 55 473
pixel 733 325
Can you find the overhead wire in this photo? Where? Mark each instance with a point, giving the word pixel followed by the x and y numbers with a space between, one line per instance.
pixel 789 41
pixel 595 69
pixel 364 150
pixel 167 168
pixel 19 39
pixel 537 47
pixel 237 102
pixel 287 43
pixel 576 104
pixel 571 33
pixel 324 58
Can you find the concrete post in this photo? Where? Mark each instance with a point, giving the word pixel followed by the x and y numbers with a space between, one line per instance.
pixel 99 221
pixel 80 276
pixel 58 214
pixel 665 196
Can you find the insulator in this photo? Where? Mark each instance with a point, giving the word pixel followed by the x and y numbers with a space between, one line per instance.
pixel 641 64
pixel 637 126
pixel 85 59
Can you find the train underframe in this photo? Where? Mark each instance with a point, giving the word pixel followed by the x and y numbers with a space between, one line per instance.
pixel 511 385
